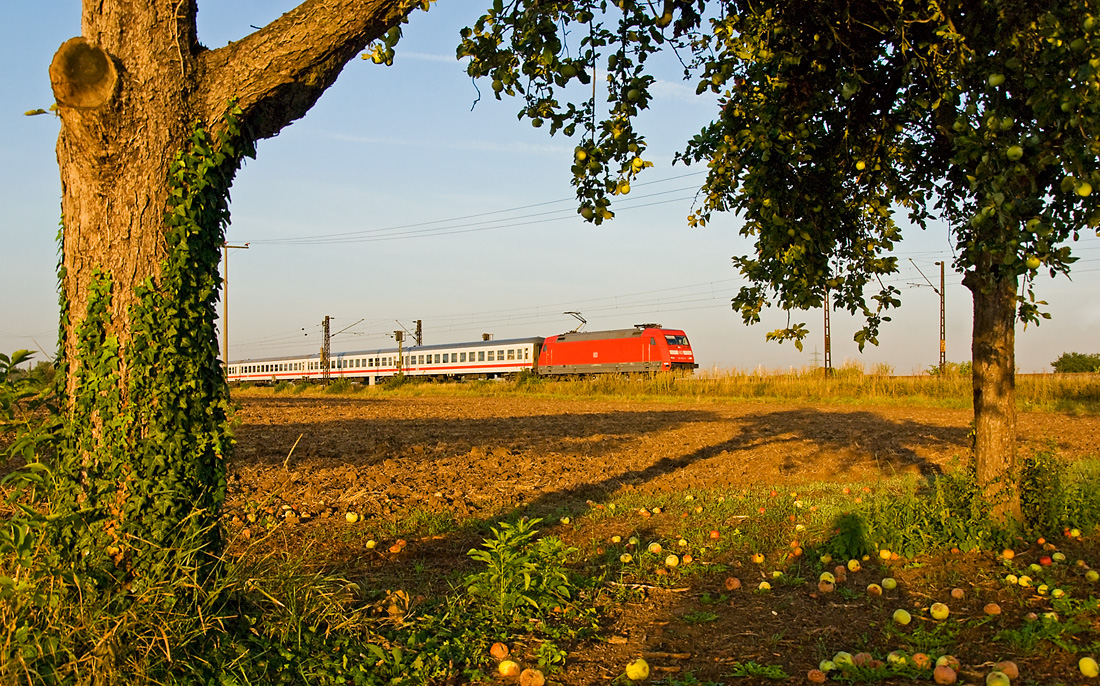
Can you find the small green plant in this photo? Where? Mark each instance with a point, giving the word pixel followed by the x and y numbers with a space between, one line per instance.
pixel 699 617
pixel 1027 639
pixel 752 669
pixel 937 640
pixel 30 421
pixel 688 679
pixel 524 575
pixel 551 658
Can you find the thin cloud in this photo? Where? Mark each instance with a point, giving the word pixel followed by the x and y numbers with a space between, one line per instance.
pixel 428 57
pixel 679 91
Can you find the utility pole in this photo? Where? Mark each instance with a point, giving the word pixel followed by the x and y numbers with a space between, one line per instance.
pixel 400 336
pixel 828 339
pixel 419 335
pixel 325 359
pixel 326 348
pixel 225 299
pixel 943 320
pixel 942 292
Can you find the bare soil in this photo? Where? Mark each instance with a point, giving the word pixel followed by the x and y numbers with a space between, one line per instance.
pixel 306 461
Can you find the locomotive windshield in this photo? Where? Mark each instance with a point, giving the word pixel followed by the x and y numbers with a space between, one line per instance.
pixel 676 340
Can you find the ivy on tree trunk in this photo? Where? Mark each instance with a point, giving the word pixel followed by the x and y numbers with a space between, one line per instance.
pixel 153 128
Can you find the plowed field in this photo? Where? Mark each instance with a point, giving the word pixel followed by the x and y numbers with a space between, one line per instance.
pixel 306 461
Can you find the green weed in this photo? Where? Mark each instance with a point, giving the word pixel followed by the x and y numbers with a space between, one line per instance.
pixel 752 669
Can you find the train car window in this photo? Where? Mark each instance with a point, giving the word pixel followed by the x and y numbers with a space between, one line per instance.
pixel 676 339
pixel 491 356
pixel 652 340
pixel 446 358
pixel 462 357
pixel 511 353
pixel 500 355
pixel 437 358
pixel 481 355
pixel 526 353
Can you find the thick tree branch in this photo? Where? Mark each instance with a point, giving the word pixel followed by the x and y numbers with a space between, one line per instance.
pixel 279 72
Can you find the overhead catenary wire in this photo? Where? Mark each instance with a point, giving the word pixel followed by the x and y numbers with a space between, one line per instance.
pixel 449 223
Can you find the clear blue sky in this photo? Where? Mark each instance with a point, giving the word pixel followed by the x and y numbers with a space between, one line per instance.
pixel 400 147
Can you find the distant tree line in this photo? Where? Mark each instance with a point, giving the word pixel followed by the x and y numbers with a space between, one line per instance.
pixel 1070 363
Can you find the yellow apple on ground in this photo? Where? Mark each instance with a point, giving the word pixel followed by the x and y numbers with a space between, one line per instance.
pixel 843 658
pixel 902 617
pixel 889 583
pixel 508 668
pixel 637 670
pixel 939 611
pixel 997 678
pixel 1011 670
pixel 1088 667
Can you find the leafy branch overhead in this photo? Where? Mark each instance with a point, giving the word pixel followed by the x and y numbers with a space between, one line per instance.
pixel 832 117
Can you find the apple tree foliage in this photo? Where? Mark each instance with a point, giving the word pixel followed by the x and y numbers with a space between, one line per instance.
pixel 835 117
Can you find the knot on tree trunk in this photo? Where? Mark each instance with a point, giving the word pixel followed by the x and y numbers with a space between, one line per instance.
pixel 82 75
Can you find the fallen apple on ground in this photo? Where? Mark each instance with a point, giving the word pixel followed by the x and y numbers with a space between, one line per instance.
pixel 944 675
pixel 531 677
pixel 637 670
pixel 1088 667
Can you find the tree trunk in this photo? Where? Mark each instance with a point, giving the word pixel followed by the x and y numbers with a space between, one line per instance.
pixel 153 128
pixel 994 365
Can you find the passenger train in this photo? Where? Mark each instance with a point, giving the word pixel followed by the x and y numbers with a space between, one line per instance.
pixel 645 348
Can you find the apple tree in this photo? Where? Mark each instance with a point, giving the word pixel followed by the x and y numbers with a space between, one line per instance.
pixel 833 118
pixel 153 128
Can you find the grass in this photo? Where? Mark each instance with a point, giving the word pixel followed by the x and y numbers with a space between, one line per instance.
pixel 850 384
pixel 274 619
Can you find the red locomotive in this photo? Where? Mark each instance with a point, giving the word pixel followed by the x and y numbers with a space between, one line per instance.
pixel 645 348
